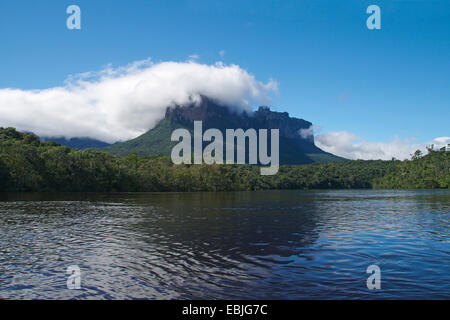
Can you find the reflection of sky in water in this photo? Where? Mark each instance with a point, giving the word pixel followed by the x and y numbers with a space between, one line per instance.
pixel 271 245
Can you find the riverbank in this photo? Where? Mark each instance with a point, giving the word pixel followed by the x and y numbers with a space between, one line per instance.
pixel 29 165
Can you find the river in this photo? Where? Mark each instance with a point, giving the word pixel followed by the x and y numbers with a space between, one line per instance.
pixel 237 245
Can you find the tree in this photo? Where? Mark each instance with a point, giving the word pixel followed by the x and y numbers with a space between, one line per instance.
pixel 416 155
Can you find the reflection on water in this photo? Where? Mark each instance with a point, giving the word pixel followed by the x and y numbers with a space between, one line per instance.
pixel 244 245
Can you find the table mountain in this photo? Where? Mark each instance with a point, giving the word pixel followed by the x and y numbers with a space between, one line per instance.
pixel 294 149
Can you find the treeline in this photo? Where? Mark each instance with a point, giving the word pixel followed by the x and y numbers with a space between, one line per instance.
pixel 27 164
pixel 431 171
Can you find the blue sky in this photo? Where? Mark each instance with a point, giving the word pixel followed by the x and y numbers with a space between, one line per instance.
pixel 331 69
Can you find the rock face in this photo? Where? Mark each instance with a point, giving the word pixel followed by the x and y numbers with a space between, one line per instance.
pixel 221 117
pixel 294 147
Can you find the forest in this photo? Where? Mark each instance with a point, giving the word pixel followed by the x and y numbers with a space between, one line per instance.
pixel 29 165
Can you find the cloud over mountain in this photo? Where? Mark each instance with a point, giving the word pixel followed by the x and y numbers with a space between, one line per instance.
pixel 122 103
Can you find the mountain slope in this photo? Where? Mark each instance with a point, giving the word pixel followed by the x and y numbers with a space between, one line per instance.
pixel 293 148
pixel 77 143
pixel 154 142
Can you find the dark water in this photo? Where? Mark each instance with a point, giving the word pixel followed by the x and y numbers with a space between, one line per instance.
pixel 255 245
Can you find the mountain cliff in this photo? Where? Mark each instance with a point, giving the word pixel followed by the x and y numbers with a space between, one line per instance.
pixel 294 147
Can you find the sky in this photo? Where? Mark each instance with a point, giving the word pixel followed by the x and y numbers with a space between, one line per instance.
pixel 369 93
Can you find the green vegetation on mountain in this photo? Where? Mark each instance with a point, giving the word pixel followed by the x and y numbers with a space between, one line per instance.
pixel 293 147
pixel 27 164
pixel 154 142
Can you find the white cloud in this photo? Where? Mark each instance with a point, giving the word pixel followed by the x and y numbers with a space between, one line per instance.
pixel 350 146
pixel 222 53
pixel 193 57
pixel 308 133
pixel 122 103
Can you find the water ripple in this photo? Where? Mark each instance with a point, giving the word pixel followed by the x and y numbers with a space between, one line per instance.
pixel 248 245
